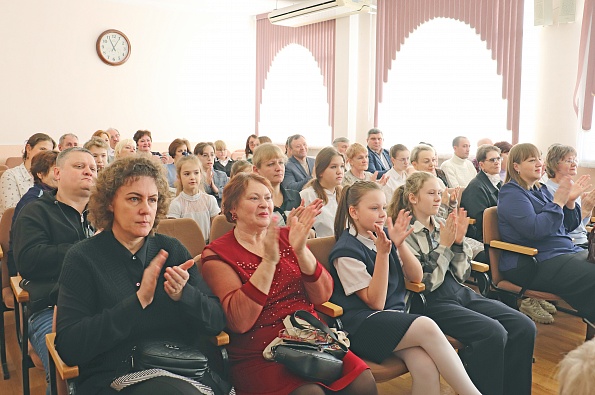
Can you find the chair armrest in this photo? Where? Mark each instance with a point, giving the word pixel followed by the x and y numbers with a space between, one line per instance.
pixel 20 294
pixel 66 372
pixel 472 221
pixel 221 339
pixel 330 309
pixel 1 253
pixel 501 245
pixel 415 287
pixel 480 267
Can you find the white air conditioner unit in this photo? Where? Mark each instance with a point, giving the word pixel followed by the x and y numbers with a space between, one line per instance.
pixel 313 11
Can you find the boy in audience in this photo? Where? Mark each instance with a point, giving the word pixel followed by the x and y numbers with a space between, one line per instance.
pixel 459 169
pixel 98 148
pixel 45 230
pixel 223 162
pixel 397 175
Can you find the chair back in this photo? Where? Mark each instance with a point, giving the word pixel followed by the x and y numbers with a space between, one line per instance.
pixel 321 248
pixel 14 161
pixel 186 230
pixel 3 167
pixel 491 232
pixel 220 226
pixel 5 224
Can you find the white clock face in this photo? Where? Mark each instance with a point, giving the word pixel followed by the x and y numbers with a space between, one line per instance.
pixel 113 47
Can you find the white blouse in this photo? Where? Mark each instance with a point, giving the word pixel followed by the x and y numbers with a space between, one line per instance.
pixel 200 207
pixel 14 183
pixel 325 222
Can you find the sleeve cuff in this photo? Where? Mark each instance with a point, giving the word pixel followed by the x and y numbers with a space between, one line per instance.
pixel 457 248
pixel 310 278
pixel 254 293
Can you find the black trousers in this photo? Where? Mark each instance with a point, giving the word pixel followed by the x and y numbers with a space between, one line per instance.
pixel 570 276
pixel 499 341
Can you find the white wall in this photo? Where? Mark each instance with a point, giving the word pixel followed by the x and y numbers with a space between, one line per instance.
pixel 556 121
pixel 191 71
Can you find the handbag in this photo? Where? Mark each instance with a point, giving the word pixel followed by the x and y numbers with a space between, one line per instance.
pixel 318 356
pixel 181 359
pixel 591 243
pixel 172 356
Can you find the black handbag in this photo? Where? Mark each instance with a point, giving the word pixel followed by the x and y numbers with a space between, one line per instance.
pixel 181 359
pixel 313 361
pixel 175 357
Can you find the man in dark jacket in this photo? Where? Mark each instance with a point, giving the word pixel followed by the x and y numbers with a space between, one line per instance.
pixel 378 156
pixel 45 230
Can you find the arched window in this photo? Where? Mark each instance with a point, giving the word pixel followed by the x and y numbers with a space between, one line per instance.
pixel 294 99
pixel 443 84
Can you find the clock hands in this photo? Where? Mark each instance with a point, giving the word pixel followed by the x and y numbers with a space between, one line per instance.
pixel 112 44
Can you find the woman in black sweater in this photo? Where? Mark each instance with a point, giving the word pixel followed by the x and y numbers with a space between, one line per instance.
pixel 128 285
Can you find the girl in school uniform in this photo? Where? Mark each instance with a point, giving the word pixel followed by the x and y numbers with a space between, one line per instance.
pixel 498 340
pixel 369 267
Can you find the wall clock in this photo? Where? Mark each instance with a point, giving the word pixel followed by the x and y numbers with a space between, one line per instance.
pixel 113 47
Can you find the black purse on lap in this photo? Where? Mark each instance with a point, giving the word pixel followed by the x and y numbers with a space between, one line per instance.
pixel 181 359
pixel 172 356
pixel 321 362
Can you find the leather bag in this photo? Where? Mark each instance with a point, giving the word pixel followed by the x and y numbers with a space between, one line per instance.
pixel 175 357
pixel 321 362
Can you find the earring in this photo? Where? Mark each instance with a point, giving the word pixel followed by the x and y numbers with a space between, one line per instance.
pixel 234 216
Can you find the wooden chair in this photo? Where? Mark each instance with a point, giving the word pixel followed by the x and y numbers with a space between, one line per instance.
pixel 29 359
pixel 220 226
pixel 392 366
pixel 6 304
pixel 13 161
pixel 187 231
pixel 509 292
pixel 3 167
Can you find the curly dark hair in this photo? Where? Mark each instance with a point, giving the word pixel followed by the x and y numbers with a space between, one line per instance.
pixel 123 171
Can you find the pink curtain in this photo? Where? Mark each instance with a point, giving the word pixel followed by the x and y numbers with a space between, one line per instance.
pixel 498 22
pixel 586 95
pixel 318 38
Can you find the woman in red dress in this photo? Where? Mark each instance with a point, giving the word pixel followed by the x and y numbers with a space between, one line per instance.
pixel 261 274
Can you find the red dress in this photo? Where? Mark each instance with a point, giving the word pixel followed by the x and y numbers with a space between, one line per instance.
pixel 251 373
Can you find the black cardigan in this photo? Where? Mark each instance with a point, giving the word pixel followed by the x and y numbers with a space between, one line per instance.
pixel 479 195
pixel 100 318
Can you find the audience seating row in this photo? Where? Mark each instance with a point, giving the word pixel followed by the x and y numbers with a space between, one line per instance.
pixel 188 232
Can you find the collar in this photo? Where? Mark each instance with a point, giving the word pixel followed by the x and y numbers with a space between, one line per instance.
pixel 494 178
pixel 367 242
pixel 418 226
pixel 191 197
pixel 458 161
pixel 140 256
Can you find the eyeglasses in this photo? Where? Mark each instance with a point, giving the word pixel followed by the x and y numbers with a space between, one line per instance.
pixel 570 161
pixel 494 160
